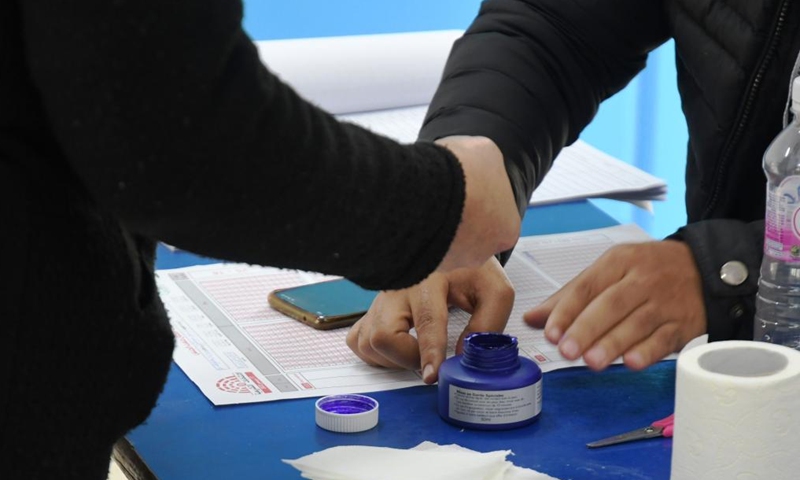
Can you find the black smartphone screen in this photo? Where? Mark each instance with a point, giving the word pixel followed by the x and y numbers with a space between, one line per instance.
pixel 330 299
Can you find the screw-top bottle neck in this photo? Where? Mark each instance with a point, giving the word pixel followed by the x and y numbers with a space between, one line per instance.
pixel 491 352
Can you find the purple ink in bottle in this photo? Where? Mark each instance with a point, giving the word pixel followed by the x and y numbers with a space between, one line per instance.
pixel 489 386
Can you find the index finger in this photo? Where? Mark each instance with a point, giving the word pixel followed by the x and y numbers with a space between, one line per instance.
pixel 429 311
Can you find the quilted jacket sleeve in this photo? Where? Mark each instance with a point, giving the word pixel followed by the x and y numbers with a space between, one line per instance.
pixel 729 308
pixel 530 75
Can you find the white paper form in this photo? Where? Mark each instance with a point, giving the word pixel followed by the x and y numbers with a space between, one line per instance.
pixel 582 171
pixel 237 349
pixel 401 124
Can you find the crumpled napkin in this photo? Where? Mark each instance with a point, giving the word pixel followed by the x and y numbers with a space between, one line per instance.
pixel 426 461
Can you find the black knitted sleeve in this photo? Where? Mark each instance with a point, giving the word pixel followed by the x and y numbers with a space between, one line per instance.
pixel 170 120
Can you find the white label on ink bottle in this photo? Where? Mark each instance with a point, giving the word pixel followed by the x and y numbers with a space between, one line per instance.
pixel 493 407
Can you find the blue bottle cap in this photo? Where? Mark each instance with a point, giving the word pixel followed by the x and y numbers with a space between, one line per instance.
pixel 347 413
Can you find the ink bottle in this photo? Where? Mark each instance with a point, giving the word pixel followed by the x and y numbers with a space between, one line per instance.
pixel 489 386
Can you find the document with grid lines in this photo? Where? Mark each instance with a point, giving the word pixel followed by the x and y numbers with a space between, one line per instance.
pixel 237 349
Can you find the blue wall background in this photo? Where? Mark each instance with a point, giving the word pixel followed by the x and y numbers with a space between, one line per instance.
pixel 642 125
pixel 274 19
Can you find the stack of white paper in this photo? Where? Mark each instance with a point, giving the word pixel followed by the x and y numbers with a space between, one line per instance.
pixel 582 171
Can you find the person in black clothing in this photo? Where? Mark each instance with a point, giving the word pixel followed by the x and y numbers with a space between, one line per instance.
pixel 530 75
pixel 123 123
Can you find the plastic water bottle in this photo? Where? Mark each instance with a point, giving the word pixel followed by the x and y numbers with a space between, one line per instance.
pixel 777 318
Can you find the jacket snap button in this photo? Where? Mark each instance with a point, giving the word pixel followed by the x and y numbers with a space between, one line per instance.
pixel 733 273
pixel 737 311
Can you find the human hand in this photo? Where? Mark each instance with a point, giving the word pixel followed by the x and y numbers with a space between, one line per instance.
pixel 490 221
pixel 642 301
pixel 382 336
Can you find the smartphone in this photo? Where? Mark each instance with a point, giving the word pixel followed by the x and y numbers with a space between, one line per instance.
pixel 324 305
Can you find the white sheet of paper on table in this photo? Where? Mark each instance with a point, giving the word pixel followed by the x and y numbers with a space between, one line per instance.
pixel 238 350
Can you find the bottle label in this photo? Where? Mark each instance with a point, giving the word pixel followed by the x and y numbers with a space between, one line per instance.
pixel 495 407
pixel 782 221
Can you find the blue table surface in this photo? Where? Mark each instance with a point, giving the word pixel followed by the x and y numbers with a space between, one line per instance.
pixel 187 437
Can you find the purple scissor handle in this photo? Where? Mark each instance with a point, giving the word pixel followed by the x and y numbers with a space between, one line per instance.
pixel 660 428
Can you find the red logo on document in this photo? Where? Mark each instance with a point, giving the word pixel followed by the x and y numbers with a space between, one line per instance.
pixel 232 384
pixel 246 382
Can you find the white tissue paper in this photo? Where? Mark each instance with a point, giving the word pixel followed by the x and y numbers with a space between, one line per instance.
pixel 737 413
pixel 426 461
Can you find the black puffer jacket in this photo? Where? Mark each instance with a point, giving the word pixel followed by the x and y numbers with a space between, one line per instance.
pixel 530 74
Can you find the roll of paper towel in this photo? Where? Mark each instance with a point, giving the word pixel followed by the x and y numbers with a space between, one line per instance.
pixel 737 413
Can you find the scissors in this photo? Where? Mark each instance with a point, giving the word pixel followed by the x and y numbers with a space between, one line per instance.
pixel 660 428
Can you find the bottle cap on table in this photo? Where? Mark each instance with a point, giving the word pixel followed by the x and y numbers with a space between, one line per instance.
pixel 347 413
